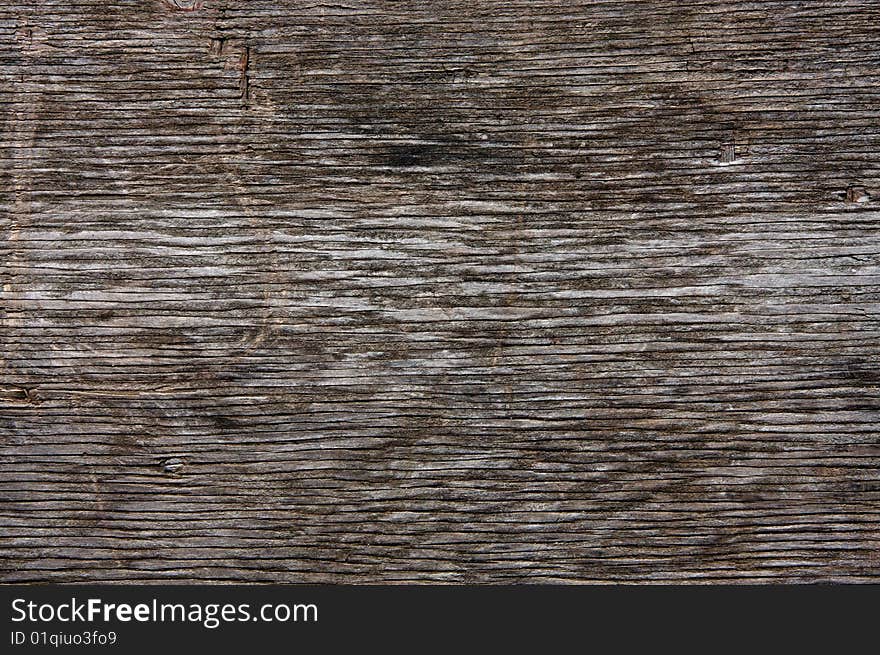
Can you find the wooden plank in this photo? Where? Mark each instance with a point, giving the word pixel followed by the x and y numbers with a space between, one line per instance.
pixel 454 291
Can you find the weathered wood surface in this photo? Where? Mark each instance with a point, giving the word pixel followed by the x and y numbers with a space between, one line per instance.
pixel 444 291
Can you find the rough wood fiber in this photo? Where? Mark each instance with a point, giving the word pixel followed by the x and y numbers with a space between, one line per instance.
pixel 448 291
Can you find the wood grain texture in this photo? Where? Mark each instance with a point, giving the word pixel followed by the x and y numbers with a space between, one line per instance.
pixel 520 291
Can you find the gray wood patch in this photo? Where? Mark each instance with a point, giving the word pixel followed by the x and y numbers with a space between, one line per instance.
pixel 520 291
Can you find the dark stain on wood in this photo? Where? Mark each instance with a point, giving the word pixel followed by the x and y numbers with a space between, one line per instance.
pixel 450 291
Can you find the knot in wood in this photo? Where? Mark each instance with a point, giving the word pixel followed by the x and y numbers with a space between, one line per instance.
pixel 184 5
pixel 172 465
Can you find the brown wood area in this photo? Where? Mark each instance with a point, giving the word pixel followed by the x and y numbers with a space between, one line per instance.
pixel 484 291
